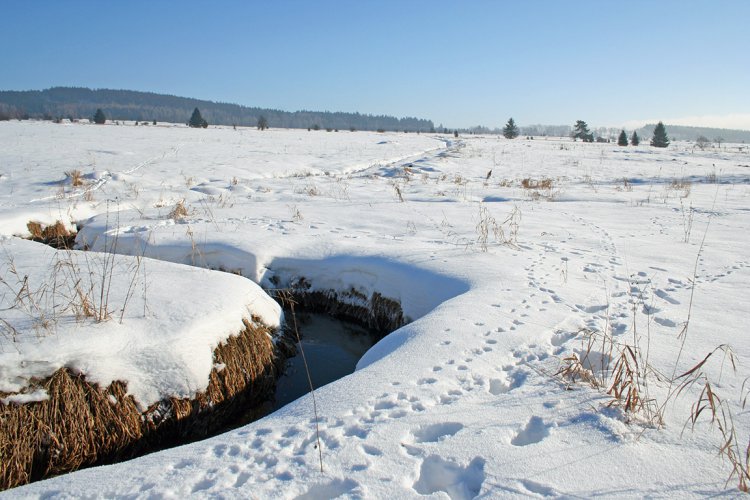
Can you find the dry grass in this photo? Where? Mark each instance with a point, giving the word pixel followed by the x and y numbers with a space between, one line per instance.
pixel 624 380
pixel 55 235
pixel 504 233
pixel 296 214
pixel 540 189
pixel 179 211
pixel 627 386
pixel 711 404
pixel 682 185
pixel 629 379
pixel 580 366
pixel 544 183
pixel 35 229
pixel 75 177
pixel 399 193
pixel 82 424
pixel 78 285
pixel 311 190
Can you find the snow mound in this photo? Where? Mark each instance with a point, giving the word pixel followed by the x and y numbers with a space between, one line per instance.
pixel 156 330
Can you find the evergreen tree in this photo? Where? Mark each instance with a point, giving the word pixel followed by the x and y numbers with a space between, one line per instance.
pixel 660 139
pixel 262 123
pixel 634 139
pixel 196 120
pixel 99 117
pixel 622 140
pixel 510 131
pixel 581 131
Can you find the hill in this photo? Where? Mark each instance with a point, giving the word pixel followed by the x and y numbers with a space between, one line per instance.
pixel 685 133
pixel 74 102
pixel 675 132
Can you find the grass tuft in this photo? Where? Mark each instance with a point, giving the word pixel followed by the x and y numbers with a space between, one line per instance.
pixel 75 177
pixel 55 235
pixel 179 211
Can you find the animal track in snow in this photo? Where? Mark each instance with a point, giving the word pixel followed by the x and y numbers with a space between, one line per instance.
pixel 534 431
pixel 560 338
pixel 459 483
pixel 371 450
pixel 356 431
pixel 331 489
pixel 665 296
pixel 665 322
pixel 537 489
pixel 436 432
pixel 498 386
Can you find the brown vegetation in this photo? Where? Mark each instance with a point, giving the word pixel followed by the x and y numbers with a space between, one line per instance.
pixel 544 183
pixel 76 178
pixel 82 424
pixel 55 235
pixel 179 211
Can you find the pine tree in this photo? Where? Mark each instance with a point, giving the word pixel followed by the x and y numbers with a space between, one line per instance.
pixel 623 139
pixel 99 117
pixel 510 131
pixel 196 120
pixel 634 139
pixel 581 131
pixel 660 139
pixel 262 123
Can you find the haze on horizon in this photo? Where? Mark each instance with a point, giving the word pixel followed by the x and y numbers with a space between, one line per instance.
pixel 459 64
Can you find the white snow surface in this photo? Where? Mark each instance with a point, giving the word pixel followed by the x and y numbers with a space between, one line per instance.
pixel 162 343
pixel 462 402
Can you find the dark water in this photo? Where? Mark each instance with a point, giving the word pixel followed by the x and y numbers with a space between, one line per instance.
pixel 332 348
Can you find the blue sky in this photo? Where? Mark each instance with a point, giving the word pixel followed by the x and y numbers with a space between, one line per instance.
pixel 459 63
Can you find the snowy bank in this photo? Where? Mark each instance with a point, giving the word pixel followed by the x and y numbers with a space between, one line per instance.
pixel 102 357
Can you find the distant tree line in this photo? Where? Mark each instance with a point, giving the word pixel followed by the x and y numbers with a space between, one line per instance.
pixel 75 103
pixel 68 102
pixel 659 138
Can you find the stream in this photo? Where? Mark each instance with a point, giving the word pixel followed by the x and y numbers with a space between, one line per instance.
pixel 332 349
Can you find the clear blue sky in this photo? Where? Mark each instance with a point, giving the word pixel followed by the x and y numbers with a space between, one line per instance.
pixel 459 63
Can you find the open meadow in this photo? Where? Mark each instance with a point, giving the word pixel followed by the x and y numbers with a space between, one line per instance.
pixel 575 314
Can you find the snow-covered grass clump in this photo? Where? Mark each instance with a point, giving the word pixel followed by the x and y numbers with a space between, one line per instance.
pixel 117 318
pixel 523 264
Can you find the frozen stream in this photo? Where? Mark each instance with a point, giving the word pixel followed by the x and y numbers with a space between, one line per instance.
pixel 332 348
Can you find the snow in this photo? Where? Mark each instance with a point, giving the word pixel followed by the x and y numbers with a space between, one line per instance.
pixel 31 397
pixel 464 400
pixel 161 335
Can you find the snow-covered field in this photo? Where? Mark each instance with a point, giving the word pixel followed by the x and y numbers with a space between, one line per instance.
pixel 632 246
